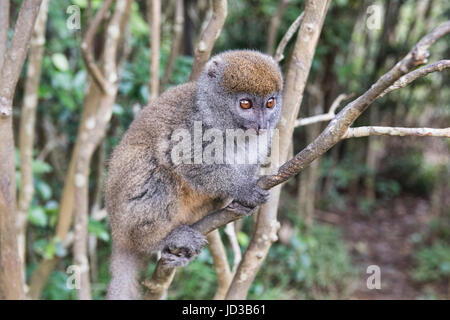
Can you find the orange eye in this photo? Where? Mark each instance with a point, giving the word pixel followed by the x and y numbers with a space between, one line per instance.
pixel 245 104
pixel 270 103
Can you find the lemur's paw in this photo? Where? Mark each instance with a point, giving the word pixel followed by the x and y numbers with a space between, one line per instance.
pixel 181 246
pixel 240 209
pixel 253 195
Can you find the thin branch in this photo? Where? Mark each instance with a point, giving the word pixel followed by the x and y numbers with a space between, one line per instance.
pixel 92 130
pixel 154 16
pixel 326 116
pixel 4 28
pixel 237 254
pixel 27 124
pixel 86 46
pixel 413 75
pixel 274 24
pixel 176 42
pixel 287 37
pixel 209 37
pixel 160 281
pixel 221 265
pixel 395 131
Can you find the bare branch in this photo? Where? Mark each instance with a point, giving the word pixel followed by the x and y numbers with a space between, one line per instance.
pixel 154 15
pixel 27 124
pixel 221 265
pixel 209 37
pixel 326 116
pixel 176 42
pixel 11 276
pixel 395 131
pixel 4 28
pixel 160 281
pixel 86 46
pixel 413 75
pixel 231 233
pixel 287 37
pixel 91 132
pixel 97 111
pixel 274 24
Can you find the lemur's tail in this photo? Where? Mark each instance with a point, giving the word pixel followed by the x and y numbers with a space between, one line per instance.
pixel 125 269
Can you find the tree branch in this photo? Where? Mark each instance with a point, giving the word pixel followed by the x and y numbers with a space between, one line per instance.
pixel 326 116
pixel 11 276
pixel 27 124
pixel 154 16
pixel 413 75
pixel 91 132
pixel 86 46
pixel 287 37
pixel 221 265
pixel 395 131
pixel 4 28
pixel 209 37
pixel 274 24
pixel 176 42
pixel 231 233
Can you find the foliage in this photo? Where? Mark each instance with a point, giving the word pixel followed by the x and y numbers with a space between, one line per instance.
pixel 411 172
pixel 315 265
pixel 432 263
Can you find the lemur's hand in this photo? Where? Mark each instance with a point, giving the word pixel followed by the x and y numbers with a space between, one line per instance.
pixel 252 195
pixel 181 246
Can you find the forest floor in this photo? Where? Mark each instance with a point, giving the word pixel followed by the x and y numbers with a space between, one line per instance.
pixel 384 238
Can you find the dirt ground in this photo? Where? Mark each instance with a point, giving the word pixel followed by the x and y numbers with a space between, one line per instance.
pixel 384 238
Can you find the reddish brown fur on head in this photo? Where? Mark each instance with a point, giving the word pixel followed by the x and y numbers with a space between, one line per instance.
pixel 251 71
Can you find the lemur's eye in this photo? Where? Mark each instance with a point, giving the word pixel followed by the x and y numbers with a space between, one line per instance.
pixel 270 103
pixel 245 103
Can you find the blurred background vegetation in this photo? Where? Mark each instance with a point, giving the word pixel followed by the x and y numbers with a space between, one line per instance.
pixel 380 201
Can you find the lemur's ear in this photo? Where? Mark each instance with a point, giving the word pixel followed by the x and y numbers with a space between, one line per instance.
pixel 213 66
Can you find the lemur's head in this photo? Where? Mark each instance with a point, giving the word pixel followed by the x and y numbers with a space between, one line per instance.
pixel 241 89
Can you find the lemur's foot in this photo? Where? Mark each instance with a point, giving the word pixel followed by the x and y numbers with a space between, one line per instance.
pixel 240 209
pixel 181 246
pixel 252 195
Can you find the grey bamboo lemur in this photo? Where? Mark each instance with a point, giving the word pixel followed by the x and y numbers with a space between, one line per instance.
pixel 151 201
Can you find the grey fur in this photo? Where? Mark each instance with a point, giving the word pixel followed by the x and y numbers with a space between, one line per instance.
pixel 151 202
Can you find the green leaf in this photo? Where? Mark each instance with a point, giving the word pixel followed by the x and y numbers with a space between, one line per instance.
pixel 242 238
pixel 138 25
pixel 37 216
pixel 117 109
pixel 60 250
pixel 98 229
pixel 39 246
pixel 44 190
pixel 49 251
pixel 83 3
pixel 60 61
pixel 41 167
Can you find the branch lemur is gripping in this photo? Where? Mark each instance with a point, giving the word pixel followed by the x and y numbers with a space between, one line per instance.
pixel 151 200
